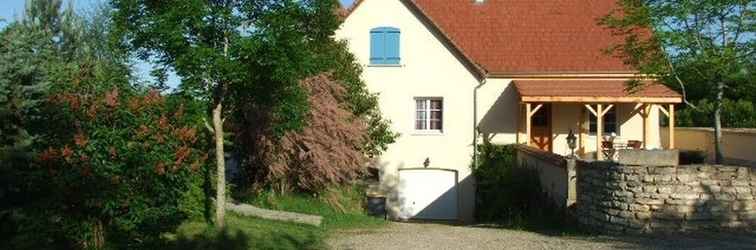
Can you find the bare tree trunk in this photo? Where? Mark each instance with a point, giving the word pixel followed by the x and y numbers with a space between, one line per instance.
pixel 718 155
pixel 220 163
pixel 220 153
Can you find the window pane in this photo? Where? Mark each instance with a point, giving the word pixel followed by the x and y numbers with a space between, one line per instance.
pixel 436 125
pixel 421 115
pixel 419 124
pixel 436 115
pixel 420 104
pixel 436 104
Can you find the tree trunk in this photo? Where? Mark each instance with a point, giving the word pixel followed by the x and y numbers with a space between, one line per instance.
pixel 718 155
pixel 220 163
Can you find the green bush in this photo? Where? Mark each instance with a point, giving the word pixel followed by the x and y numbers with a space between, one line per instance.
pixel 510 195
pixel 506 193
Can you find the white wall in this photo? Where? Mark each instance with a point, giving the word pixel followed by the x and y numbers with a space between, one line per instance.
pixel 428 69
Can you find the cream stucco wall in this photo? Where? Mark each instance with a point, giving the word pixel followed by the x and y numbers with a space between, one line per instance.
pixel 428 69
pixel 737 144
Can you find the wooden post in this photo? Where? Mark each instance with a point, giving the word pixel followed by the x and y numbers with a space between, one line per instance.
pixel 599 131
pixel 646 112
pixel 519 124
pixel 528 107
pixel 671 126
pixel 583 131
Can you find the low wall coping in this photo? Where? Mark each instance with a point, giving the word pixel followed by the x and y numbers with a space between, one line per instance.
pixel 746 131
pixel 554 159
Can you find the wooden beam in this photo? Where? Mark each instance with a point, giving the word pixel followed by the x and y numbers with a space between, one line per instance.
pixel 663 110
pixel 588 106
pixel 599 131
pixel 601 99
pixel 535 110
pixel 671 126
pixel 528 108
pixel 607 109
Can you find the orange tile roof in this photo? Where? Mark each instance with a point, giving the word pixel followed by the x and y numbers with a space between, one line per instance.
pixel 528 36
pixel 590 88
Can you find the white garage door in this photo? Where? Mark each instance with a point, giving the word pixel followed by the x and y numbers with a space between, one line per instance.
pixel 428 194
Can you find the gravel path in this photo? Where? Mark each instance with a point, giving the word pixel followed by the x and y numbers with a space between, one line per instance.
pixel 437 236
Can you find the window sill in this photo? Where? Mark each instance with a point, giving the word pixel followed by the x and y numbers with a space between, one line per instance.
pixel 427 133
pixel 385 65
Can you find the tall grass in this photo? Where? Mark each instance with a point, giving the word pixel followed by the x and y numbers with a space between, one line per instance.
pixel 342 208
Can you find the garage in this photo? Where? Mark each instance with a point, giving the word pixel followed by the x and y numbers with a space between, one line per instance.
pixel 428 194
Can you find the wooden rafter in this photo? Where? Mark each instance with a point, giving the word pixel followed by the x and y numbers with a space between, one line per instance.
pixel 601 99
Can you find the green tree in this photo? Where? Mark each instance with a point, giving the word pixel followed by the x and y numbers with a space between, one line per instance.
pixel 87 157
pixel 232 51
pixel 702 45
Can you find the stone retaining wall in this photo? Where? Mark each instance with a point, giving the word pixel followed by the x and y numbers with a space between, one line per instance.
pixel 625 199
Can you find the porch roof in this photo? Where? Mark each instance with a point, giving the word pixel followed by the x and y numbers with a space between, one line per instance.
pixel 593 91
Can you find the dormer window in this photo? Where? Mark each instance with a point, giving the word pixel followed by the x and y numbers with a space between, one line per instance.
pixel 384 46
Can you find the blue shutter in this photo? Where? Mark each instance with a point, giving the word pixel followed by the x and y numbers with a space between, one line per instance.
pixel 384 45
pixel 377 49
pixel 392 47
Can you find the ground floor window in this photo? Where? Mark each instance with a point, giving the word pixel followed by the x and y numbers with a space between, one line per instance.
pixel 429 114
pixel 610 122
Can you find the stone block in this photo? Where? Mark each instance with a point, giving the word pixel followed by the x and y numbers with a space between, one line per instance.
pixel 635 190
pixel 684 178
pixel 626 214
pixel 744 206
pixel 694 184
pixel 708 182
pixel 724 197
pixel 649 201
pixel 743 190
pixel 662 178
pixel 639 208
pixel 729 190
pixel 726 168
pixel 648 157
pixel 744 197
pixel 643 215
pixel 739 183
pixel 665 189
pixel 681 202
pixel 650 189
pixel 685 196
pixel 659 196
pixel 648 178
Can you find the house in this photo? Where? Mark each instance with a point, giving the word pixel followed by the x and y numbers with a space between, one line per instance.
pixel 451 74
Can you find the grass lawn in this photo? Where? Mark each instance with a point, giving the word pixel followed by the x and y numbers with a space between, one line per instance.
pixel 341 210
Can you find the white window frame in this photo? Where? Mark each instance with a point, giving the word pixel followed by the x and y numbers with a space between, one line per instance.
pixel 427 110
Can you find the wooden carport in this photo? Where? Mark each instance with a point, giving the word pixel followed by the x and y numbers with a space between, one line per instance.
pixel 598 96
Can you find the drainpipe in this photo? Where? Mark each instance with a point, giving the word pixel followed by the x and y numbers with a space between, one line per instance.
pixel 481 82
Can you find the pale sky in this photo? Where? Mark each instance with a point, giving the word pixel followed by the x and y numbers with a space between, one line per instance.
pixel 12 9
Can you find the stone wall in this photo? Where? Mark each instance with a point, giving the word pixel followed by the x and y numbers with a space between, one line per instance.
pixel 631 199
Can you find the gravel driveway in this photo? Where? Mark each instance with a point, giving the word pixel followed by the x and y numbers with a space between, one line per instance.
pixel 438 236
